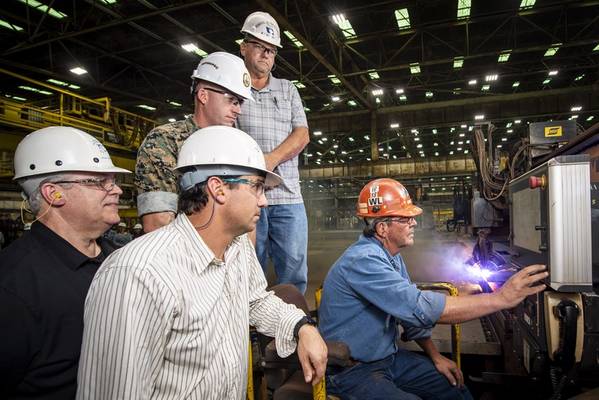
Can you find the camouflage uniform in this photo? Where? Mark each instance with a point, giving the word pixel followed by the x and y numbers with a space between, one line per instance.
pixel 155 178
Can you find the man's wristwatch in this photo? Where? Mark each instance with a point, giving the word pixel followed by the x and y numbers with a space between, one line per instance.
pixel 306 319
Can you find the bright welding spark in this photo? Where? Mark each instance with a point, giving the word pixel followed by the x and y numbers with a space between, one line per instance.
pixel 479 272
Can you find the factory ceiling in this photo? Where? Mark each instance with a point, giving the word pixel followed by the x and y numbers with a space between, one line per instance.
pixel 382 80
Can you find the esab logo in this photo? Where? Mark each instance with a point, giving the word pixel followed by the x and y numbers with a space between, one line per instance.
pixel 553 131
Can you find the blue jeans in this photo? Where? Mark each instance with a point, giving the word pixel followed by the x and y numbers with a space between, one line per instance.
pixel 403 375
pixel 282 234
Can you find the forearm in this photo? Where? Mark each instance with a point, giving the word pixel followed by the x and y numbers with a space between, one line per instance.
pixel 153 221
pixel 429 348
pixel 297 140
pixel 465 308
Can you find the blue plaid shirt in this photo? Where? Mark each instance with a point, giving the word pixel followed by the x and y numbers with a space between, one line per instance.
pixel 366 293
pixel 276 111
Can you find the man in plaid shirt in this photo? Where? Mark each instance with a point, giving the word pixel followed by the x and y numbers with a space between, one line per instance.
pixel 276 120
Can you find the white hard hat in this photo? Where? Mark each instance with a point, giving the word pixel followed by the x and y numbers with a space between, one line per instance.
pixel 59 149
pixel 226 70
pixel 262 26
pixel 122 225
pixel 218 151
pixel 137 226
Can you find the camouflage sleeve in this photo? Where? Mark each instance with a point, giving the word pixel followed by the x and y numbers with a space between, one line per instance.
pixel 155 179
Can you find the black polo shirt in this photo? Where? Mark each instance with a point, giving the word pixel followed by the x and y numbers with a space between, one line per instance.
pixel 43 284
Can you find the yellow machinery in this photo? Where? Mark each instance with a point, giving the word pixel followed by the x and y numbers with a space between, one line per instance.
pixel 117 129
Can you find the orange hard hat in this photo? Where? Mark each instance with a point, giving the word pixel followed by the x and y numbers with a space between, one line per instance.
pixel 385 198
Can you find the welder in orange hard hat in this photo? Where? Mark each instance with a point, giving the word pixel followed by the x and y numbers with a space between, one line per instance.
pixel 368 292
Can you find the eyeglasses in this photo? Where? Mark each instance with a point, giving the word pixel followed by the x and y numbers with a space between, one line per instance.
pixel 258 186
pixel 266 50
pixel 402 220
pixel 233 100
pixel 105 184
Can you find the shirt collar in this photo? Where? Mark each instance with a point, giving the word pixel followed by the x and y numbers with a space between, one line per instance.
pixel 205 256
pixel 273 84
pixel 63 250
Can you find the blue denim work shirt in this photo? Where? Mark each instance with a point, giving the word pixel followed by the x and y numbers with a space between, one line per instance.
pixel 366 293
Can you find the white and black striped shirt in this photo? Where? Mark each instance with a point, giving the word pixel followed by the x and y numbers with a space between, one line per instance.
pixel 165 319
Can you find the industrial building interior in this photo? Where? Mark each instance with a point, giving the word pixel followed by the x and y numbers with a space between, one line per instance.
pixel 446 96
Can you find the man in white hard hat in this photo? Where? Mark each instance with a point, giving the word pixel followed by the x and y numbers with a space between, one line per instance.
pixel 277 121
pixel 167 316
pixel 68 180
pixel 122 236
pixel 220 85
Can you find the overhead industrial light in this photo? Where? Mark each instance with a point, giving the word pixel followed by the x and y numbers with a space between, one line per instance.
pixel 451 153
pixel 416 139
pixel 472 82
pixel 377 100
pixel 366 137
pixel 373 74
pixel 172 120
pixel 298 84
pixel 335 98
pixel 434 131
pixel 504 56
pixel 479 117
pixel 174 103
pixel 463 126
pixel 414 68
pixel 590 118
pixel 491 78
pixel 403 97
pixel 351 139
pixel 35 90
pixel 24 99
pixel 579 77
pixel 344 25
pixel 546 81
pixel 399 91
pixel 377 92
pixel 8 25
pixel 510 131
pixel 525 4
pixel 436 154
pixel 78 71
pixel 402 16
pixel 553 72
pixel 429 94
pixel 146 107
pixel 324 139
pixel 552 50
pixel 307 109
pixel 293 39
pixel 576 108
pixel 414 131
pixel 517 121
pixel 458 62
pixel 317 133
pixel 573 117
pixel 352 103
pixel 62 83
pixel 436 144
pixel 192 48
pixel 462 134
pixel 394 125
pixel 463 9
pixel 335 146
pixel 516 84
pixel 334 79
pixel 504 139
pixel 485 88
pixel 44 8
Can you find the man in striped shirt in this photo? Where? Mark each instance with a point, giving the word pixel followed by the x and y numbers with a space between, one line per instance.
pixel 167 316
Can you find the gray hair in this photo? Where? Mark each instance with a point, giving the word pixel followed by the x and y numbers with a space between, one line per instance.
pixel 31 189
pixel 370 228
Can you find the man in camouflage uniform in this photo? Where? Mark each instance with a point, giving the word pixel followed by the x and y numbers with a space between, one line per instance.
pixel 220 85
